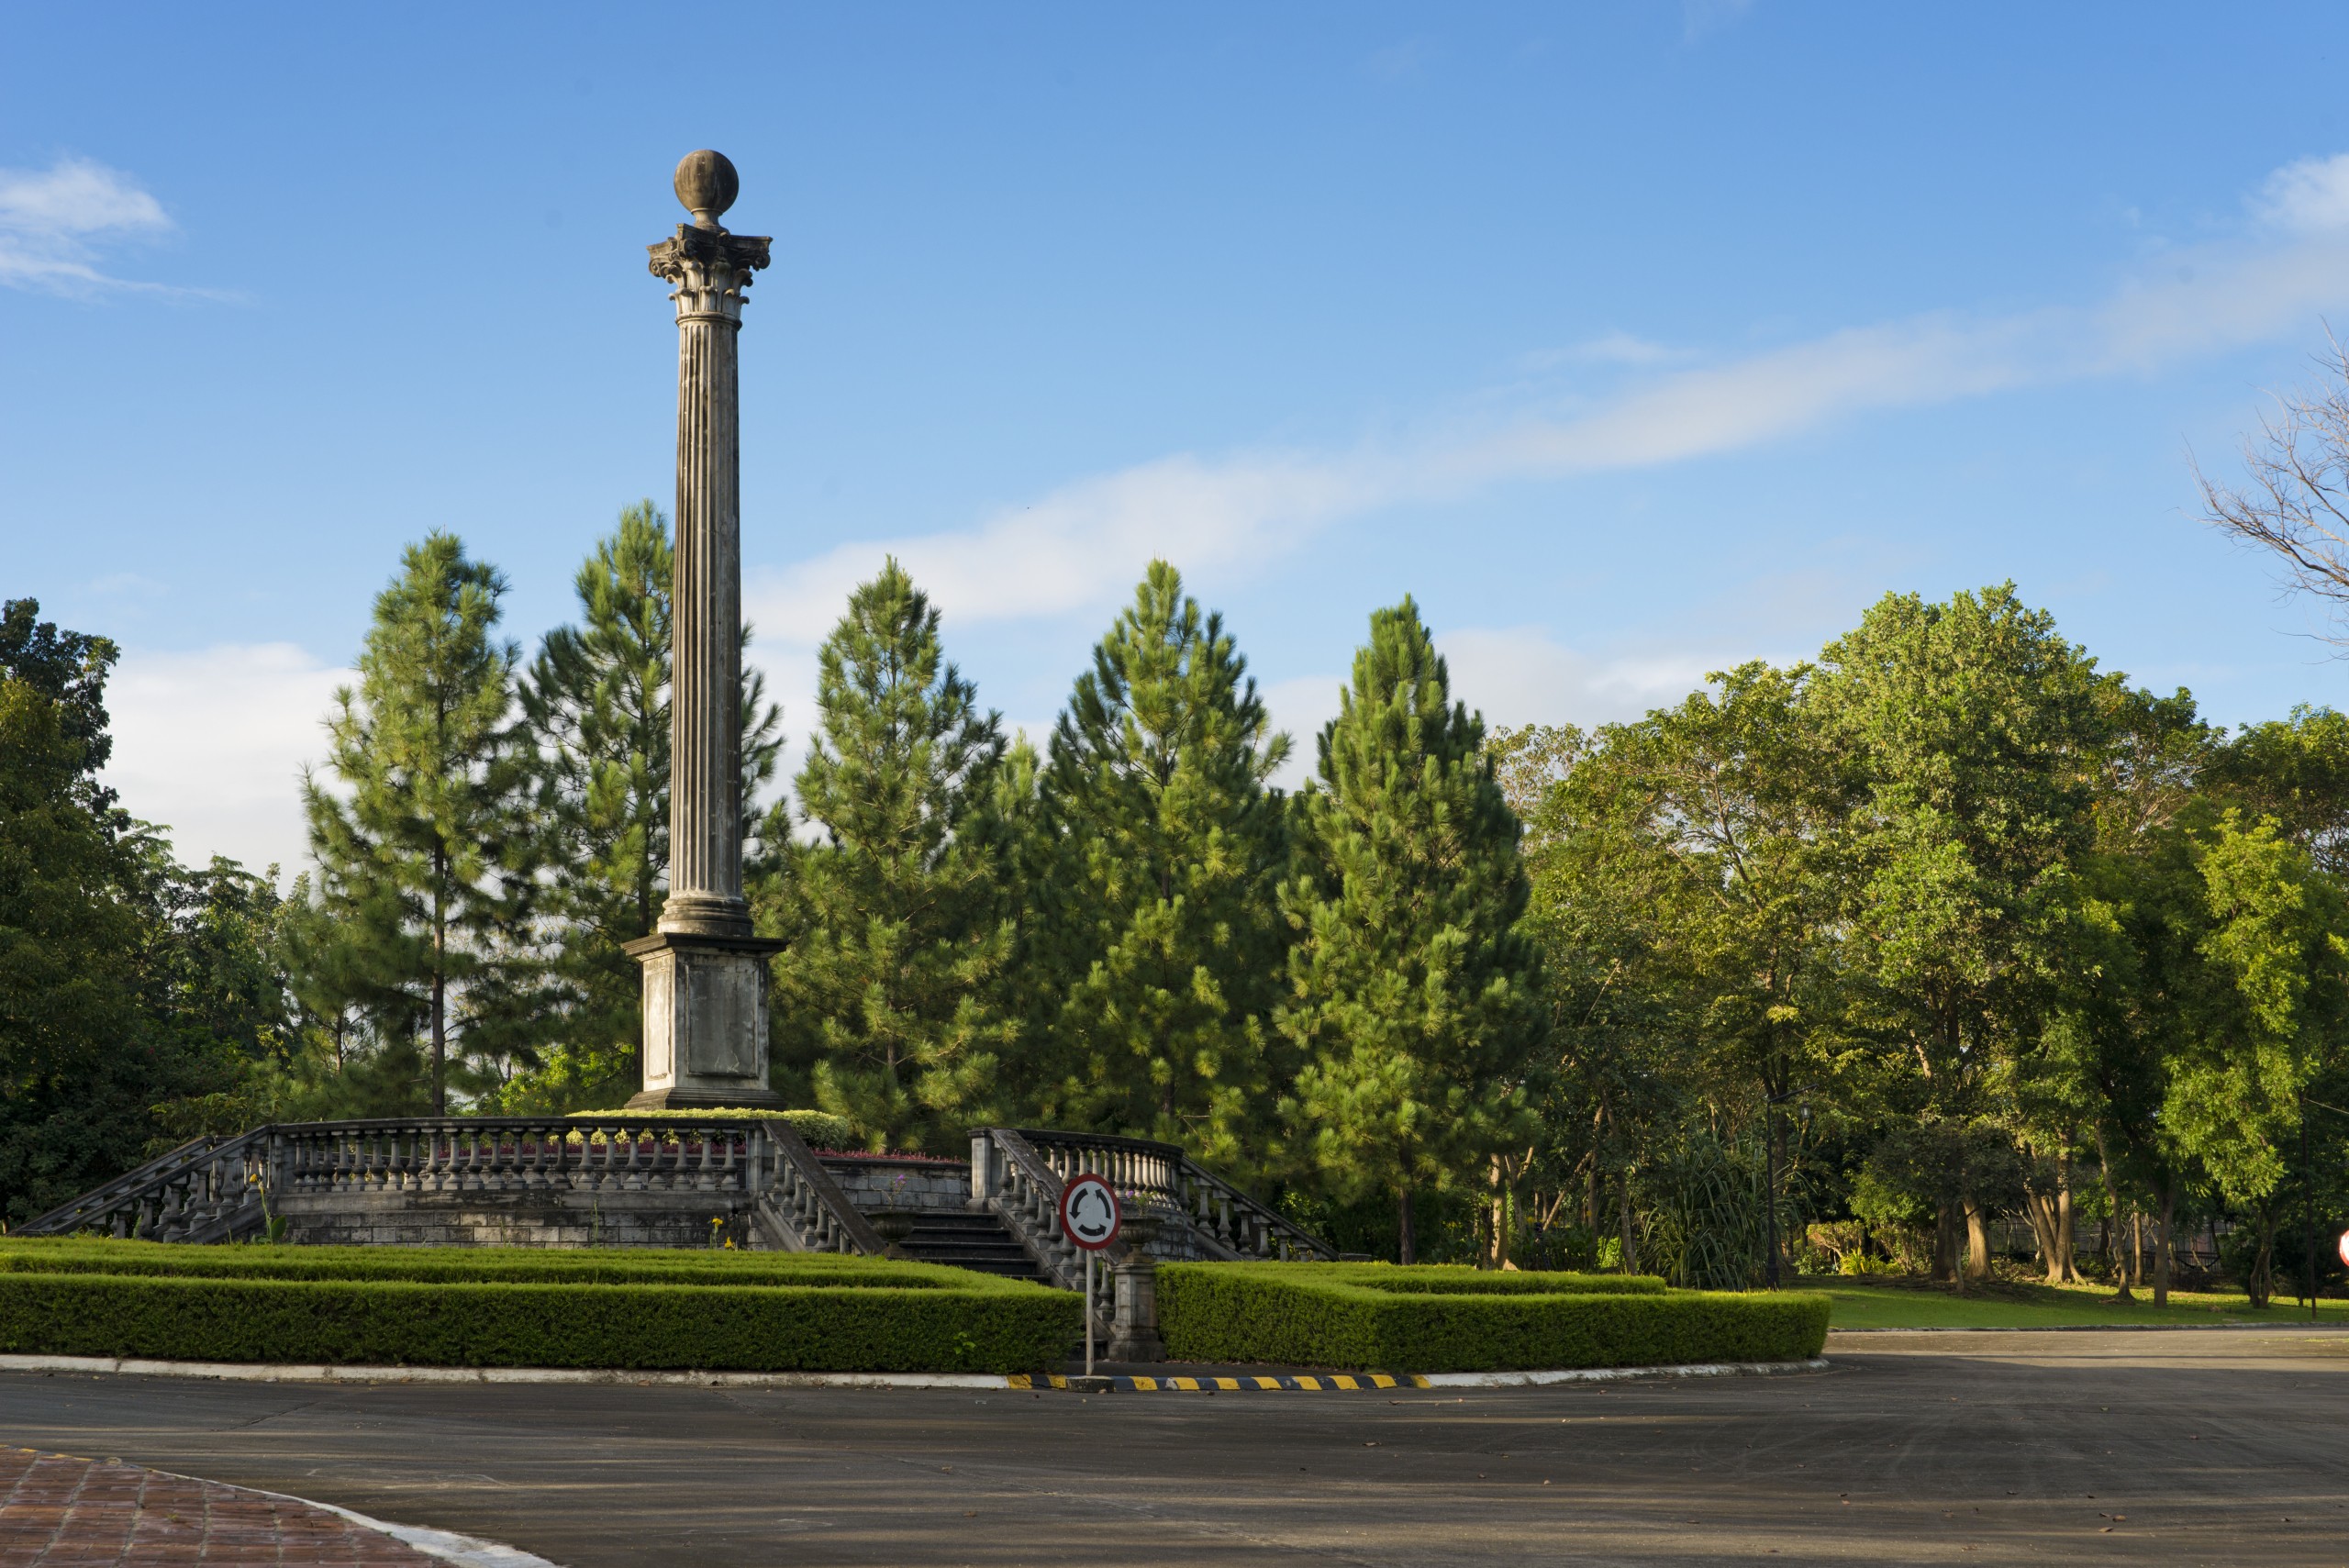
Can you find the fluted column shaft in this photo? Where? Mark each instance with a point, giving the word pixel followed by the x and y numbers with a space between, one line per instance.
pixel 710 269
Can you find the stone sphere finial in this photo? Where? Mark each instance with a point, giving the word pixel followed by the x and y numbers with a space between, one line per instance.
pixel 708 184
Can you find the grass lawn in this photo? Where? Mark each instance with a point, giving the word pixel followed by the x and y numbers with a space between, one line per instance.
pixel 1868 1304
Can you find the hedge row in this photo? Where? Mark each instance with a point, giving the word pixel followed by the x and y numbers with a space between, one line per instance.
pixel 1452 1279
pixel 1348 1317
pixel 394 1322
pixel 484 1264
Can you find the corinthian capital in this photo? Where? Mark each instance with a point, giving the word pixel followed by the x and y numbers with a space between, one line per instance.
pixel 709 269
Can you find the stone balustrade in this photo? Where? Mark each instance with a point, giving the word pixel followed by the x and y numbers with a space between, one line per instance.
pixel 514 1181
pixel 515 1154
pixel 209 1189
pixel 1200 1215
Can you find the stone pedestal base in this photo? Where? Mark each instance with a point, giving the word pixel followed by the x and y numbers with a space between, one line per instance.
pixel 705 1022
pixel 1133 1335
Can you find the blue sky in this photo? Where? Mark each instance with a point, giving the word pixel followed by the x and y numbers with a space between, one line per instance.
pixel 1633 340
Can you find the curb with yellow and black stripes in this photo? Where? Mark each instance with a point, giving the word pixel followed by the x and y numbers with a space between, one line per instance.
pixel 1318 1383
pixel 1370 1381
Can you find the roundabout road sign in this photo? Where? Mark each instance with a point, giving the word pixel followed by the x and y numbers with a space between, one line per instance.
pixel 1089 1212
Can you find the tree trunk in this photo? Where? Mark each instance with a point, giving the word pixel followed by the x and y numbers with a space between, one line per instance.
pixel 2260 1282
pixel 2039 1208
pixel 2161 1242
pixel 1977 1242
pixel 1500 1217
pixel 1631 1229
pixel 2064 1220
pixel 1946 1245
pixel 439 1044
pixel 2119 1270
pixel 1405 1246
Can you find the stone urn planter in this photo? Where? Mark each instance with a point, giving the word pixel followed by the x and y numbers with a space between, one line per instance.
pixel 894 1225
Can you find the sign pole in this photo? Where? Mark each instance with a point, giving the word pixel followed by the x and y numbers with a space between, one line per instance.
pixel 1090 1218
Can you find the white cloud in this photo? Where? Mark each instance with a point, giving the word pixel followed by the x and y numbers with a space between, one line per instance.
pixel 2311 196
pixel 1087 542
pixel 212 744
pixel 1512 675
pixel 52 221
pixel 1521 675
pixel 1620 347
pixel 1083 545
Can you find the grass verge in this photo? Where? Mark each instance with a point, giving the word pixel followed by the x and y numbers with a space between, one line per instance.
pixel 1869 1304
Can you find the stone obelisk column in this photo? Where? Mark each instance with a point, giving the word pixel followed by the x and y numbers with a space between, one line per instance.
pixel 705 973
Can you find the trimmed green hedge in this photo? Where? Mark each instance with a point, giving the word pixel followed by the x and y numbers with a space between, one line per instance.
pixel 394 1322
pixel 484 1264
pixel 1455 1279
pixel 822 1130
pixel 1366 1316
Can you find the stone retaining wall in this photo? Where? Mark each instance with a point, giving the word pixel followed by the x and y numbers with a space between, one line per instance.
pixel 515 1219
pixel 877 1183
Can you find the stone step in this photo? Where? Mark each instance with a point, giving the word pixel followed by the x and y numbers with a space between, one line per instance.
pixel 970 1239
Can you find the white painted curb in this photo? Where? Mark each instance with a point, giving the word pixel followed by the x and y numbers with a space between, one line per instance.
pixel 466 1551
pixel 1617 1374
pixel 247 1371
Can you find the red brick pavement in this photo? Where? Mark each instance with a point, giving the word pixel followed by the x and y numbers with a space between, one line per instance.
pixel 61 1512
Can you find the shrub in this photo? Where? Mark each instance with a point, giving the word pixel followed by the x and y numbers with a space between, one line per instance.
pixel 478 1264
pixel 401 1322
pixel 822 1130
pixel 1366 1317
pixel 1456 1279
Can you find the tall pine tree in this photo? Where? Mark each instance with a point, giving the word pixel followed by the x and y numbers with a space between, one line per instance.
pixel 1414 1002
pixel 424 841
pixel 597 700
pixel 1155 944
pixel 893 985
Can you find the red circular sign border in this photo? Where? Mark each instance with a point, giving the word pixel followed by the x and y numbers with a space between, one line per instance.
pixel 1117 1213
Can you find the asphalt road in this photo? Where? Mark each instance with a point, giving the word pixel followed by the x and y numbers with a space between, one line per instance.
pixel 2196 1447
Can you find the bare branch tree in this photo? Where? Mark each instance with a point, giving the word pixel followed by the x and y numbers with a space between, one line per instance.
pixel 2295 504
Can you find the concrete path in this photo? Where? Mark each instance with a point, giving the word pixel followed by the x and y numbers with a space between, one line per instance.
pixel 2210 1446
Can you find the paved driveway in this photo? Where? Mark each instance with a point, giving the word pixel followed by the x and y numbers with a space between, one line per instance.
pixel 2195 1447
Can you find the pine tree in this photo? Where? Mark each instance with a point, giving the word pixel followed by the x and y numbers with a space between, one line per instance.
pixel 424 841
pixel 1414 1003
pixel 1156 945
pixel 596 701
pixel 892 985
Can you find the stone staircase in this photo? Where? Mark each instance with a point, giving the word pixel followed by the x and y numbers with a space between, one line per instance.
pixel 972 1239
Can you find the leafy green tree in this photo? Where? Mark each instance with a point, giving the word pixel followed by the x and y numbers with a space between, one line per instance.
pixel 893 987
pixel 424 840
pixel 1414 1008
pixel 123 983
pixel 2278 939
pixel 1979 729
pixel 1153 951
